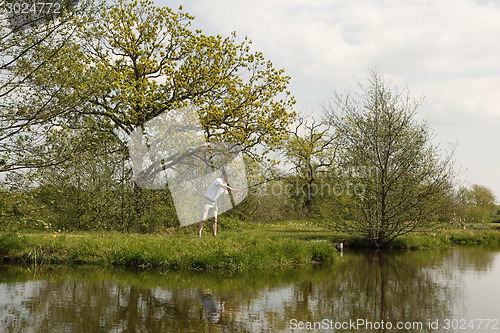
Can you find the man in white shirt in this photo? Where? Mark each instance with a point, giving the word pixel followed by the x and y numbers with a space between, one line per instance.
pixel 208 207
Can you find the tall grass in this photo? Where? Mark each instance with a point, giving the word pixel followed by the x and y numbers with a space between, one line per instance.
pixel 448 238
pixel 241 246
pixel 174 252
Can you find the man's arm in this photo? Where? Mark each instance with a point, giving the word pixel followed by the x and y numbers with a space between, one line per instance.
pixel 229 188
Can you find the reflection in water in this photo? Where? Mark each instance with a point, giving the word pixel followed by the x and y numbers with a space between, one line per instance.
pixel 419 286
pixel 214 309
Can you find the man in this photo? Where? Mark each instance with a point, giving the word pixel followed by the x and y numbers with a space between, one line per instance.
pixel 208 207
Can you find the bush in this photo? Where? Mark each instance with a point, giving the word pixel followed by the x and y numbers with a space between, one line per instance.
pixel 475 238
pixel 9 243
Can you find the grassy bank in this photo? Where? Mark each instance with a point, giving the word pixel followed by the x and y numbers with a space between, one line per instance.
pixel 239 246
pixel 448 238
pixel 164 251
pixel 480 234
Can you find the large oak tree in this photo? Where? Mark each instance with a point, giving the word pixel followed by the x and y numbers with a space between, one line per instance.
pixel 132 61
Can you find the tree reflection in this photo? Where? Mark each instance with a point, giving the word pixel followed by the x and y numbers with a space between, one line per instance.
pixel 375 286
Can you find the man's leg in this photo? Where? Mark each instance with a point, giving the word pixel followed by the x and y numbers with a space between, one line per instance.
pixel 214 228
pixel 200 228
pixel 214 222
pixel 204 209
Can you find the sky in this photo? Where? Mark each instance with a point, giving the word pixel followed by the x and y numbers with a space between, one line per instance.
pixel 447 51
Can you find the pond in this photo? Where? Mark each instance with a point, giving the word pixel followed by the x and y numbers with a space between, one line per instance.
pixel 447 290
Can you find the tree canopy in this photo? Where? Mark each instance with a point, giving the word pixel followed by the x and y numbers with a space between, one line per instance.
pixel 131 62
pixel 26 110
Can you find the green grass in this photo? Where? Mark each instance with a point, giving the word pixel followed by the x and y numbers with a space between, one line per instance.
pixel 419 241
pixel 474 237
pixel 447 238
pixel 240 245
pixel 494 219
pixel 227 252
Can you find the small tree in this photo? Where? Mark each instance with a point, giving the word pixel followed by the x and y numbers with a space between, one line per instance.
pixel 484 197
pixel 406 181
pixel 310 148
pixel 475 204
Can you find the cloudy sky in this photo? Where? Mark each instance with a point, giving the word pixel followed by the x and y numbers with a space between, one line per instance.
pixel 445 50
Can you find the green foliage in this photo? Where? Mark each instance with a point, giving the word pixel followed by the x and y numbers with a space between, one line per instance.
pixel 475 238
pixel 475 204
pixel 9 243
pixel 113 68
pixel 448 238
pixel 419 241
pixel 267 202
pixel 132 61
pixel 321 252
pixel 50 207
pixel 28 111
pixel 495 218
pixel 405 181
pixel 310 148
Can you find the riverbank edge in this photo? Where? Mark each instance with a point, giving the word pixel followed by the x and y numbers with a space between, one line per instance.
pixel 231 252
pixel 156 251
pixel 417 241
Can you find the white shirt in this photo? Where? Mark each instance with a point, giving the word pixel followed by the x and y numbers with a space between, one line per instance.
pixel 214 191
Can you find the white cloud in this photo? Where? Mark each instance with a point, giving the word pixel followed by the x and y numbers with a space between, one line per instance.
pixel 404 38
pixel 447 50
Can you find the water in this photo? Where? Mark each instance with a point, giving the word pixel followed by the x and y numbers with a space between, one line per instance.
pixel 453 290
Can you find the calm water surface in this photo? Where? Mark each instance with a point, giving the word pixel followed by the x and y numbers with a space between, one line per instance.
pixel 453 290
